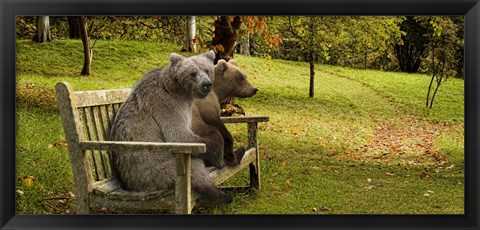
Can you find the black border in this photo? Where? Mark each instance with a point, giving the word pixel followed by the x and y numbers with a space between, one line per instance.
pixel 11 8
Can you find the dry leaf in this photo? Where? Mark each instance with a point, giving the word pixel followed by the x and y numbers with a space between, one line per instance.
pixel 27 180
pixel 288 183
pixel 61 144
pixel 19 193
pixel 389 174
pixel 424 175
pixel 321 209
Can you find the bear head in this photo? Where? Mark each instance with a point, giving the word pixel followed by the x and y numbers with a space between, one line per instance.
pixel 194 74
pixel 231 81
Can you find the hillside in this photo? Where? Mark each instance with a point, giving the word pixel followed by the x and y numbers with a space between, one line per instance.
pixel 364 143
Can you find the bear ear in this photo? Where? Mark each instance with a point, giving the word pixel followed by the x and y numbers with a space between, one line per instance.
pixel 210 55
pixel 221 66
pixel 233 62
pixel 175 58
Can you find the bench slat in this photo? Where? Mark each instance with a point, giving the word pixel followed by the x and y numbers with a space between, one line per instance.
pixel 101 128
pixel 101 97
pixel 111 188
pixel 245 119
pixel 149 146
pixel 221 175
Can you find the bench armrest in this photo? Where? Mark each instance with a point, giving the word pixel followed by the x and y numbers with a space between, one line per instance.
pixel 188 148
pixel 245 119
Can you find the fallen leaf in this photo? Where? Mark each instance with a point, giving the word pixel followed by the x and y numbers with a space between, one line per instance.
pixel 70 194
pixel 321 209
pixel 19 193
pixel 283 164
pixel 424 175
pixel 426 194
pixel 334 169
pixel 430 191
pixel 275 187
pixel 369 187
pixel 295 130
pixel 27 180
pixel 62 144
pixel 389 174
pixel 288 183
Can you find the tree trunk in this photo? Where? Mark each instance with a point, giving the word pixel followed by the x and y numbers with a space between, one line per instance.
pixel 366 58
pixel 73 28
pixel 87 50
pixel 429 90
pixel 245 45
pixel 433 75
pixel 225 37
pixel 43 30
pixel 312 75
pixel 434 93
pixel 190 40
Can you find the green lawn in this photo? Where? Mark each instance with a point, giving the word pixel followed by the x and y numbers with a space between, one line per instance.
pixel 364 144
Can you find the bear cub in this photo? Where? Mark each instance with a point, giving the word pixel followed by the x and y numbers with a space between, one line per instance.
pixel 229 81
pixel 159 109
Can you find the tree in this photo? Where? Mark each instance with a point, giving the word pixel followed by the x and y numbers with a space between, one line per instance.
pixel 412 48
pixel 315 35
pixel 87 50
pixel 226 33
pixel 73 27
pixel 225 36
pixel 190 38
pixel 459 44
pixel 443 50
pixel 43 30
pixel 245 45
pixel 368 39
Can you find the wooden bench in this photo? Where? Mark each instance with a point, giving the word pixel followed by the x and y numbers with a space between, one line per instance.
pixel 87 117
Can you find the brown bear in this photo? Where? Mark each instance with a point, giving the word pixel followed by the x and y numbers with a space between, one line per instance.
pixel 159 109
pixel 229 81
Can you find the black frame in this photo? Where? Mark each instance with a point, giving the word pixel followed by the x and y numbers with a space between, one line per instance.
pixel 9 9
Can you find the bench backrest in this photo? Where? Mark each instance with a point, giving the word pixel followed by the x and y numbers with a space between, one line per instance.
pixel 88 116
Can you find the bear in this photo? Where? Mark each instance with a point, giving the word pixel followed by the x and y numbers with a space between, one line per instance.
pixel 159 109
pixel 229 81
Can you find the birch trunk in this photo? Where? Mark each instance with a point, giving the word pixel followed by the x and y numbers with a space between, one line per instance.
pixel 43 30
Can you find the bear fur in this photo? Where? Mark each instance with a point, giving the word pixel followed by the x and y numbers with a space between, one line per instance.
pixel 229 81
pixel 159 109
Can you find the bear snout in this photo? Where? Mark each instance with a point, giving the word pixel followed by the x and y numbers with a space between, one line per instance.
pixel 207 86
pixel 253 92
pixel 203 89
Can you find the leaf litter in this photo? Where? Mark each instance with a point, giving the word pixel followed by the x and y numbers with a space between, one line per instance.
pixel 408 140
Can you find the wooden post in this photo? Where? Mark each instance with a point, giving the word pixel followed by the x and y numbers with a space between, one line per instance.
pixel 73 131
pixel 254 166
pixel 183 194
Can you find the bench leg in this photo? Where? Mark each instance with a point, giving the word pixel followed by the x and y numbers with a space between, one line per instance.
pixel 183 193
pixel 254 166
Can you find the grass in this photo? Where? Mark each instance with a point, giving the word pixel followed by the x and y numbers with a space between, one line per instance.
pixel 364 144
